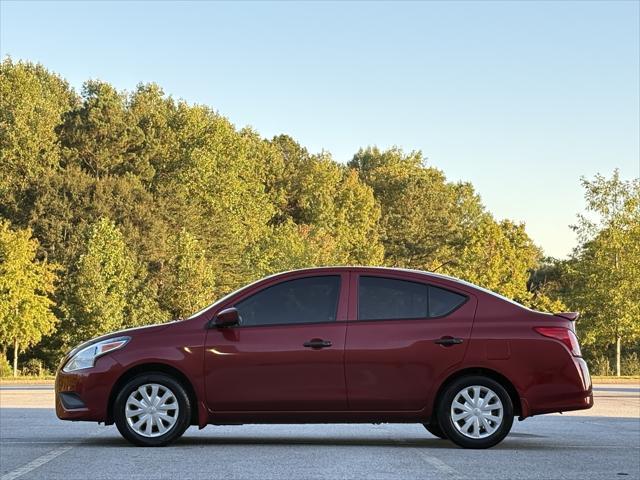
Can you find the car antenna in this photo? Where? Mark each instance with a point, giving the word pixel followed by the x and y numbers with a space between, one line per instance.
pixel 442 265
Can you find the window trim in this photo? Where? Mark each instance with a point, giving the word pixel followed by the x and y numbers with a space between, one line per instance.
pixel 426 284
pixel 272 285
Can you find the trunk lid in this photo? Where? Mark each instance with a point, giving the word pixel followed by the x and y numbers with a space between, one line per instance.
pixel 573 316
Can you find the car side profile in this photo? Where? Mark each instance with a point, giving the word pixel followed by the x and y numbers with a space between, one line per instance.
pixel 334 345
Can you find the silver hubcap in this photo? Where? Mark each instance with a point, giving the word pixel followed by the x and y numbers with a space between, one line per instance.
pixel 151 410
pixel 476 411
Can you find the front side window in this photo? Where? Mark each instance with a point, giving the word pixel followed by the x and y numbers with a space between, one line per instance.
pixel 389 299
pixel 304 300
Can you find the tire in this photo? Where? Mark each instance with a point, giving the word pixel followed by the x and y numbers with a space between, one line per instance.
pixel 477 425
pixel 162 400
pixel 435 430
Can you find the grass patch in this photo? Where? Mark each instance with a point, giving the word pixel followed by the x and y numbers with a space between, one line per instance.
pixel 33 380
pixel 614 379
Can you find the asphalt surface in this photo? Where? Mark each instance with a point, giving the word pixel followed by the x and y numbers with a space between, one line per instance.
pixel 602 444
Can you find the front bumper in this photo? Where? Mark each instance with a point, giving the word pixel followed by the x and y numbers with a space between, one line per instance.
pixel 84 394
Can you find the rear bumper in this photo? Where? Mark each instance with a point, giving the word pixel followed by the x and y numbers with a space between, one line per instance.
pixel 581 401
pixel 84 394
pixel 571 391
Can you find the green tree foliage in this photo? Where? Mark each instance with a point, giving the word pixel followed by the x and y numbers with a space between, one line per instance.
pixel 418 222
pixel 289 246
pixel 102 284
pixel 324 214
pixel 605 268
pixel 99 135
pixel 25 288
pixel 356 222
pixel 32 103
pixel 143 307
pixel 549 285
pixel 187 280
pixel 500 257
pixel 323 195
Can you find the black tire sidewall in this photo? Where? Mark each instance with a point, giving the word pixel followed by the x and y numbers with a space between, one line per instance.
pixel 435 430
pixel 446 423
pixel 184 412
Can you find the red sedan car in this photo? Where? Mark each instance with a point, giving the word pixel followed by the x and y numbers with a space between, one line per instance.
pixel 329 345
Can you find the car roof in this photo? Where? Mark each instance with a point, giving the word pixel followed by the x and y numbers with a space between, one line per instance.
pixel 372 269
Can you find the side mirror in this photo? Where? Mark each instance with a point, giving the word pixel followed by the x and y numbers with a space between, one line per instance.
pixel 227 318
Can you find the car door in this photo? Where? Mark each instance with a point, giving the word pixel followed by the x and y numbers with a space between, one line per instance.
pixel 287 354
pixel 403 334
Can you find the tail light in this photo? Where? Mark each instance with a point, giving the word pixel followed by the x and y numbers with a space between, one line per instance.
pixel 565 335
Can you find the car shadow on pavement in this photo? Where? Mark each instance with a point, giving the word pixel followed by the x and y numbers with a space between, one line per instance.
pixel 285 441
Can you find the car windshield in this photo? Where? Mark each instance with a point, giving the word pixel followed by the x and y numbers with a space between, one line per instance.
pixel 223 299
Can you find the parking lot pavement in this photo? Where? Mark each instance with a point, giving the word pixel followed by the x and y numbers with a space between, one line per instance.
pixel 605 443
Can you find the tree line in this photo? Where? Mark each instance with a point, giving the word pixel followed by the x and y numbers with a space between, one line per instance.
pixel 121 209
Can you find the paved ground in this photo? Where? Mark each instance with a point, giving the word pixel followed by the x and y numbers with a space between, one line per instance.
pixel 601 443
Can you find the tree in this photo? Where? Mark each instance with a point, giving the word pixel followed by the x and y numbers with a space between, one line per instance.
pixel 101 285
pixel 606 265
pixel 419 227
pixel 334 211
pixel 285 246
pixel 356 222
pixel 25 288
pixel 548 285
pixel 188 280
pixel 215 187
pixel 142 306
pixel 32 104
pixel 99 134
pixel 498 256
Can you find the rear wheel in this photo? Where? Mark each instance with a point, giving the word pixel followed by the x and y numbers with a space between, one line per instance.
pixel 435 430
pixel 152 410
pixel 475 412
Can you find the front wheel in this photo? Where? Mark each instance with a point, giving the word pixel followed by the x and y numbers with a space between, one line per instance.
pixel 152 410
pixel 475 412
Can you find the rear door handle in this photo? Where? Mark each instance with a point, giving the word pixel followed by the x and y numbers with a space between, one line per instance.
pixel 317 343
pixel 448 341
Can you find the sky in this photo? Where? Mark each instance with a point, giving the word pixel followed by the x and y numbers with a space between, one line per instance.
pixel 519 98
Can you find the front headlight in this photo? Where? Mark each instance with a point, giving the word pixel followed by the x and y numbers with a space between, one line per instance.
pixel 86 358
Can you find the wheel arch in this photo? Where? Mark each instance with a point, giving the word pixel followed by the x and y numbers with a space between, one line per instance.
pixel 487 372
pixel 154 368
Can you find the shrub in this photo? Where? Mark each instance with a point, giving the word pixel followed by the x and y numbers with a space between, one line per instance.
pixel 5 367
pixel 630 364
pixel 33 367
pixel 599 365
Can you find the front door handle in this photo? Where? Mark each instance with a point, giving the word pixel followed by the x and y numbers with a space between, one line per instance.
pixel 317 343
pixel 448 341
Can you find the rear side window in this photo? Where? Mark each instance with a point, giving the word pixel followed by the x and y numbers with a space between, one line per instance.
pixel 388 299
pixel 442 302
pixel 304 300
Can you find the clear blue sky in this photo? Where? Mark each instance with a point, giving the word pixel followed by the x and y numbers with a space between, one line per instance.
pixel 520 98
